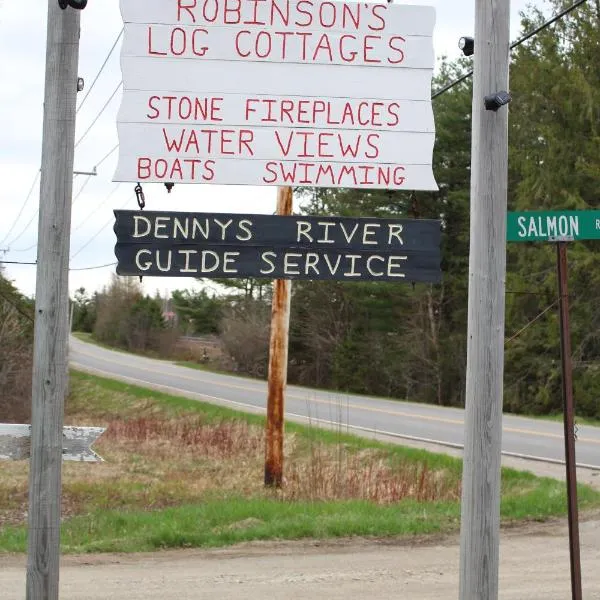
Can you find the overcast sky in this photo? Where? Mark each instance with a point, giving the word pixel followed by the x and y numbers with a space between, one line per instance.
pixel 22 48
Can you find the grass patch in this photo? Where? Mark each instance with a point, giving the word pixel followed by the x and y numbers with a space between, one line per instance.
pixel 558 417
pixel 182 473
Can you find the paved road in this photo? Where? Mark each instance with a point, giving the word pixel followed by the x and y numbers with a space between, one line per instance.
pixel 418 423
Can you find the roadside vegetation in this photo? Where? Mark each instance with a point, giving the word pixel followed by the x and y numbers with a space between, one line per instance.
pixel 180 473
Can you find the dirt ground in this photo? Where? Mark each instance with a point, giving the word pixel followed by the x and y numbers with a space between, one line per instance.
pixel 534 566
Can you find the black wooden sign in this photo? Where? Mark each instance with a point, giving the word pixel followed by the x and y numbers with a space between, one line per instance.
pixel 174 244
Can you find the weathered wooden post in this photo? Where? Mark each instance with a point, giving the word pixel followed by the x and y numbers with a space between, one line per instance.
pixel 278 361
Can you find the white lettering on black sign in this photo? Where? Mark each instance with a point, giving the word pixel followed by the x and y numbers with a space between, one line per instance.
pixel 227 245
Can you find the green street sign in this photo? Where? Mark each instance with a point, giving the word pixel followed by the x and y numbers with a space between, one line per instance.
pixel 542 226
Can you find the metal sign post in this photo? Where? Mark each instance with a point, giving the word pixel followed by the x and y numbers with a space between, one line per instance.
pixel 569 419
pixel 562 227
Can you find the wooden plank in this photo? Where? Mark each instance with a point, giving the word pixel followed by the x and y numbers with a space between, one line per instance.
pixel 15 442
pixel 235 171
pixel 193 260
pixel 342 233
pixel 237 77
pixel 230 43
pixel 260 143
pixel 367 114
pixel 305 15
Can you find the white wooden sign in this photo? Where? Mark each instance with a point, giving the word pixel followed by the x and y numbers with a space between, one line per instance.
pixel 277 92
pixel 15 442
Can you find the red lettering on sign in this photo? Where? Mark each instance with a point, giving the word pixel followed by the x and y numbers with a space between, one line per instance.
pixel 208 16
pixel 235 11
pixel 323 44
pixel 347 16
pixel 199 141
pixel 189 169
pixel 372 140
pixel 380 25
pixel 151 51
pixel 305 12
pixel 186 5
pixel 254 20
pixel 399 40
pixel 368 48
pixel 310 173
pixel 237 44
pixel 324 145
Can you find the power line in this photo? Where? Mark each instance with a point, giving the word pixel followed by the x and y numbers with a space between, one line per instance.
pixel 37 176
pixel 16 262
pixel 100 71
pixel 83 186
pixel 107 155
pixel 99 114
pixel 516 335
pixel 98 232
pixel 37 211
pixel 112 264
pixel 514 45
pixel 75 198
pixel 98 207
pixel 35 214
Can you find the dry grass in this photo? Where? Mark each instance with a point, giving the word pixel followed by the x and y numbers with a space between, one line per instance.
pixel 158 457
pixel 367 475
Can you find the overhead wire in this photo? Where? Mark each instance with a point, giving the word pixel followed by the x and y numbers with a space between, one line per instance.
pixel 110 52
pixel 38 210
pixel 98 232
pixel 534 320
pixel 81 189
pixel 107 155
pixel 112 264
pixel 98 207
pixel 527 36
pixel 100 71
pixel 37 176
pixel 75 198
pixel 99 114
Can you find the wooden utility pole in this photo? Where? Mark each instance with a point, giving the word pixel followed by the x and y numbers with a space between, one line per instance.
pixel 52 302
pixel 569 419
pixel 480 519
pixel 278 360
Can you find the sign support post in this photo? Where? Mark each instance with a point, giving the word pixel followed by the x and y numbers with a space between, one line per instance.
pixel 561 227
pixel 51 303
pixel 278 360
pixel 480 516
pixel 569 419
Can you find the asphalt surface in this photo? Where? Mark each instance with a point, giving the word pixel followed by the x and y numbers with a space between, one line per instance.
pixel 419 424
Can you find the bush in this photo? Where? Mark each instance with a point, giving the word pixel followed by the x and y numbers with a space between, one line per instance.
pixel 16 356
